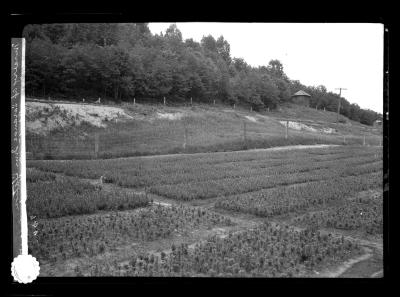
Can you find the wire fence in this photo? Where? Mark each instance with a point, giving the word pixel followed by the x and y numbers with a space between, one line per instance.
pixel 182 137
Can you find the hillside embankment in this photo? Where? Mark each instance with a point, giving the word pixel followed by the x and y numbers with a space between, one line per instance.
pixel 58 129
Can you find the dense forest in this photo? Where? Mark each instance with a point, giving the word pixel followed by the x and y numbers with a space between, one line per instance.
pixel 120 62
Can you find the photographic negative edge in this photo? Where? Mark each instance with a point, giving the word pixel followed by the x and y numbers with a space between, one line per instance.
pixel 24 267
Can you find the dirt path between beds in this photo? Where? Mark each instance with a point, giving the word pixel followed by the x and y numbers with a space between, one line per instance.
pixel 276 148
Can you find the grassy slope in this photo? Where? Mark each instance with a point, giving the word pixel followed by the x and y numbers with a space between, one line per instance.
pixel 326 118
pixel 209 128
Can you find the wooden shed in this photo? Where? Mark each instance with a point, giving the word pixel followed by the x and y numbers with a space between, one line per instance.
pixel 378 123
pixel 301 98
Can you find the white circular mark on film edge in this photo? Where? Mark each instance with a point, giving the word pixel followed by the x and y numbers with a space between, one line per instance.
pixel 25 269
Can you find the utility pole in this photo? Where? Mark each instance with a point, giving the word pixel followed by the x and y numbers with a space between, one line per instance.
pixel 340 94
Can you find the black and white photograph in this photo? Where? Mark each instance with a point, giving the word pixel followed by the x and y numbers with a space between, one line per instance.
pixel 201 149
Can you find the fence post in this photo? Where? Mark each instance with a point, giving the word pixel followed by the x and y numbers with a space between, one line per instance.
pixel 287 128
pixel 185 137
pixel 268 109
pixel 244 132
pixel 214 101
pixel 134 100
pixel 251 108
pixel 234 105
pixel 164 100
pixel 96 144
pixel 191 101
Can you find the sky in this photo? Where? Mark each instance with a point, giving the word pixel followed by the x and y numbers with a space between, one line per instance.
pixel 331 54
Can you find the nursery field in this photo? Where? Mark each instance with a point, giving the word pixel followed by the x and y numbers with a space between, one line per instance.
pixel 262 213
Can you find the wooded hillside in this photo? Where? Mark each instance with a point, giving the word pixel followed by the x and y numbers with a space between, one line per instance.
pixel 120 62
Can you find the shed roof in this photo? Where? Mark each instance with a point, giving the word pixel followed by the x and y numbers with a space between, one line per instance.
pixel 301 93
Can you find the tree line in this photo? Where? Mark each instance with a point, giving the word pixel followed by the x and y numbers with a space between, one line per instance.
pixel 125 61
